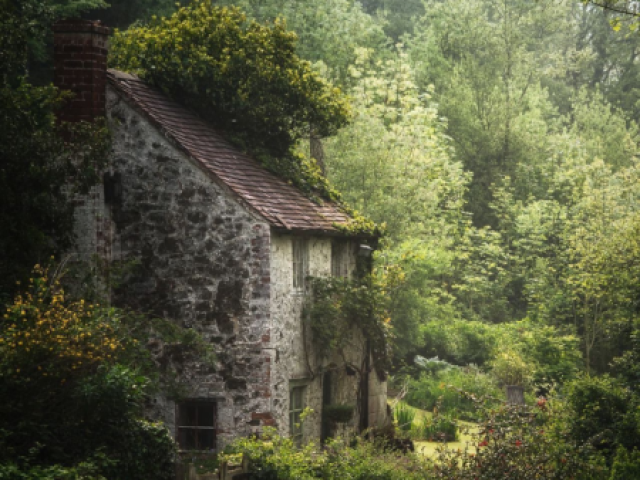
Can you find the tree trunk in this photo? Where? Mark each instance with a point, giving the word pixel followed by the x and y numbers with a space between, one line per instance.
pixel 317 151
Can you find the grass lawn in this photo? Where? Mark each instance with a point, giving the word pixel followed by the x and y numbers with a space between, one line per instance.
pixel 428 449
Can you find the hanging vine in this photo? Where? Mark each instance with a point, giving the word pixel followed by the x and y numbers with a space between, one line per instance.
pixel 337 305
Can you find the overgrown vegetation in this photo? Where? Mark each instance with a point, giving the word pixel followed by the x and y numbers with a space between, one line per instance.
pixel 510 443
pixel 498 142
pixel 337 306
pixel 74 380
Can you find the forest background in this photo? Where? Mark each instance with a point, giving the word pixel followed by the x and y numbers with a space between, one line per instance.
pixel 498 142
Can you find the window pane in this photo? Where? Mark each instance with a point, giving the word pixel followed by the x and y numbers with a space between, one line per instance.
pixel 205 416
pixel 196 425
pixel 206 439
pixel 296 398
pixel 188 415
pixel 187 438
pixel 299 261
pixel 340 259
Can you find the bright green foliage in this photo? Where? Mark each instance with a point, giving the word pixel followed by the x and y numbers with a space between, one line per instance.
pixel 276 458
pixel 509 368
pixel 328 32
pixel 483 57
pixel 440 391
pixel 625 464
pixel 393 162
pixel 438 428
pixel 242 76
pixel 511 443
pixel 404 415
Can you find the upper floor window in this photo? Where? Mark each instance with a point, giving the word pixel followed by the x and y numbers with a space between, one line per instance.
pixel 340 259
pixel 300 262
pixel 196 425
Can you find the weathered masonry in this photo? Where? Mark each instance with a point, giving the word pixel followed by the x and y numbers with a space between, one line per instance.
pixel 221 246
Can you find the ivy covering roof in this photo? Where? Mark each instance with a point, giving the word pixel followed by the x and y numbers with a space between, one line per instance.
pixel 281 204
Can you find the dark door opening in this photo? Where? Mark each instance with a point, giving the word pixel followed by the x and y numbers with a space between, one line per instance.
pixel 326 400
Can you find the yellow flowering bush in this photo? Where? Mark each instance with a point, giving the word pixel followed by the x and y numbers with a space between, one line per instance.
pixel 43 335
pixel 73 379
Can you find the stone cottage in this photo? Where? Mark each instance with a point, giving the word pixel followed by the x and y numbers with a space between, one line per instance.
pixel 222 246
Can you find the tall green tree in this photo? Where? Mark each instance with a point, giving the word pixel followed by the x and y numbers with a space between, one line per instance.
pixel 483 57
pixel 394 163
pixel 328 32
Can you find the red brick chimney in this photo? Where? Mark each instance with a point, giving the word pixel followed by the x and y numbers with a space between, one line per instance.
pixel 80 65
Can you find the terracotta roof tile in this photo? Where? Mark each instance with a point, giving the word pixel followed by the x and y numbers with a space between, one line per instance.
pixel 281 204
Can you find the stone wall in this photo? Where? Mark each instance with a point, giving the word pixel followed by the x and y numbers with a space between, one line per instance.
pixel 198 258
pixel 297 363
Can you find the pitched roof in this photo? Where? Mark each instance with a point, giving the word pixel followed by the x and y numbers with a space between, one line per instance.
pixel 281 204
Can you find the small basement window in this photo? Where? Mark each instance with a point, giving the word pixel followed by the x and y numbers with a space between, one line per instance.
pixel 296 406
pixel 300 262
pixel 196 421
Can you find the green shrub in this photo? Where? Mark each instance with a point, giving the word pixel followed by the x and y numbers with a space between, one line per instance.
pixel 626 465
pixel 603 412
pixel 242 76
pixel 550 357
pixel 442 390
pixel 404 416
pixel 439 428
pixel 276 458
pixel 68 396
pixel 460 342
pixel 512 443
pixel 516 442
pixel 509 368
pixel 84 471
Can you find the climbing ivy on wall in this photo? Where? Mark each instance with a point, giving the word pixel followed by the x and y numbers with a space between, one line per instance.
pixel 338 305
